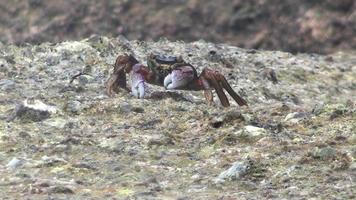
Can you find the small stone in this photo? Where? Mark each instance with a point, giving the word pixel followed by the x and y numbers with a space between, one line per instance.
pixel 52 60
pixel 56 122
pixel 324 153
pixel 236 171
pixel 252 133
pixel 318 109
pixel 226 117
pixel 85 165
pixel 74 106
pixel 160 140
pixel 36 111
pixel 24 135
pixel 138 110
pixel 62 189
pixel 295 117
pixel 353 166
pixel 15 163
pixel 7 85
pixel 125 107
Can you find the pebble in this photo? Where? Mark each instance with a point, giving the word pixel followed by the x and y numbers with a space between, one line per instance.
pixel 61 189
pixel 15 163
pixel 74 107
pixel 35 111
pixel 324 153
pixel 353 166
pixel 7 85
pixel 295 117
pixel 252 133
pixel 236 171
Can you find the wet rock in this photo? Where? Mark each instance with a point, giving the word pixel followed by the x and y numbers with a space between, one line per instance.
pixel 33 111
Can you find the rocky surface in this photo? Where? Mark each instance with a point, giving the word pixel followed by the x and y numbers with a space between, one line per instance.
pixel 317 26
pixel 63 137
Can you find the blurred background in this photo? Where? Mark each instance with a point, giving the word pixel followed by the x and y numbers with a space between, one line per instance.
pixel 313 26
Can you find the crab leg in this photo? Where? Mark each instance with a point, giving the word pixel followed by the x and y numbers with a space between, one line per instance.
pixel 216 80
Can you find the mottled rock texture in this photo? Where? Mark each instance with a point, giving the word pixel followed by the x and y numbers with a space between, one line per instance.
pixel 315 26
pixel 295 140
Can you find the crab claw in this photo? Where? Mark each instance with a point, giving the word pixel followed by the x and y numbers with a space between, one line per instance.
pixel 179 78
pixel 137 81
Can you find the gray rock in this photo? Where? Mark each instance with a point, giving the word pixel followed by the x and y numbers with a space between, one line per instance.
pixel 236 171
pixel 7 85
pixel 251 133
pixel 295 117
pixel 74 106
pixel 35 111
pixel 61 189
pixel 125 107
pixel 15 163
pixel 353 166
pixel 324 153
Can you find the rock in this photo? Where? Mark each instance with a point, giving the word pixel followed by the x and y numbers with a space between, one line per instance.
pixel 318 108
pixel 15 163
pixel 7 85
pixel 295 117
pixel 252 133
pixel 56 122
pixel 138 110
pixel 52 60
pixel 61 189
pixel 324 153
pixel 226 117
pixel 35 111
pixel 74 107
pixel 51 161
pixel 125 107
pixel 353 166
pixel 159 140
pixel 236 171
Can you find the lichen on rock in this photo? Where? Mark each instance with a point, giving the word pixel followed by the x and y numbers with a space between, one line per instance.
pixel 172 144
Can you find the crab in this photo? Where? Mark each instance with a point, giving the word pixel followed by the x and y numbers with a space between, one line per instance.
pixel 171 72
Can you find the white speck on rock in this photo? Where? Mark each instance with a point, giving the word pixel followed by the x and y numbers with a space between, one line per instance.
pixel 252 132
pixel 15 163
pixel 39 105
